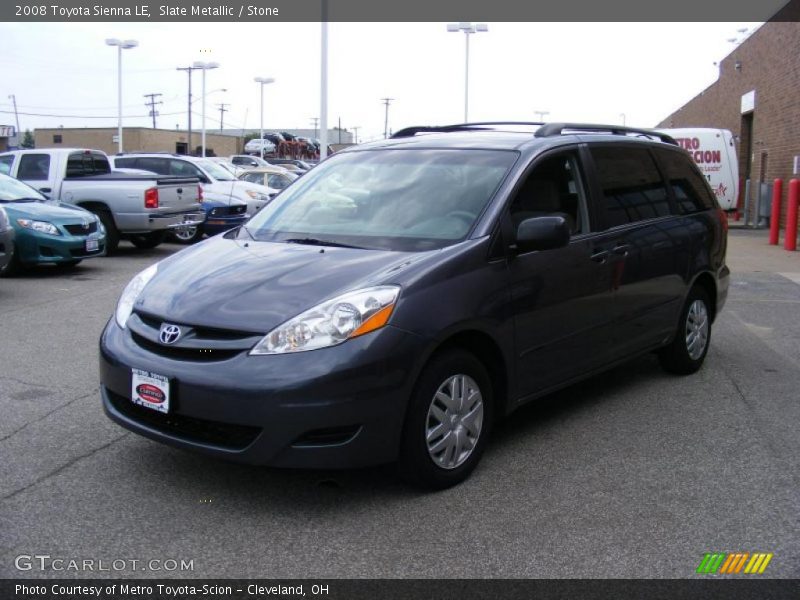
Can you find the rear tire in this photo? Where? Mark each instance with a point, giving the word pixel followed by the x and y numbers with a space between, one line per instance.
pixel 112 233
pixel 187 235
pixel 448 421
pixel 688 349
pixel 146 241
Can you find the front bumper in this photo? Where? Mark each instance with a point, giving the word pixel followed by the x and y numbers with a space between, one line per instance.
pixel 336 407
pixel 215 224
pixel 34 247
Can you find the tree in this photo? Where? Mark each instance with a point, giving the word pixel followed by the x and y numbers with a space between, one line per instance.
pixel 27 140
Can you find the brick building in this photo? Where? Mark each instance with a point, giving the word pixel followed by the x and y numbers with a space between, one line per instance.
pixel 757 97
pixel 136 139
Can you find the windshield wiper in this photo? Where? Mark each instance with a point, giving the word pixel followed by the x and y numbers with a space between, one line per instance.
pixel 308 241
pixel 23 200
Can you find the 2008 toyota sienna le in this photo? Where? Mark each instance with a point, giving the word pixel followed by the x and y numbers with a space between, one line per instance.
pixel 403 295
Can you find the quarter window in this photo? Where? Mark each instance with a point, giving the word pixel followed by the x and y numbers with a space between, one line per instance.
pixel 690 189
pixel 632 187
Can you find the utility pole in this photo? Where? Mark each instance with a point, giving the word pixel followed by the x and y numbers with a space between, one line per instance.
pixel 189 70
pixel 13 99
pixel 340 130
pixel 222 111
pixel 355 129
pixel 315 121
pixel 152 105
pixel 386 102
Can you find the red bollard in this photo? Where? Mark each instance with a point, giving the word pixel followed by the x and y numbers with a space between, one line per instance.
pixel 790 243
pixel 775 215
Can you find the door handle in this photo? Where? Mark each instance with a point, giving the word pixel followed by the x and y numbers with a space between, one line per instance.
pixel 621 249
pixel 46 190
pixel 600 256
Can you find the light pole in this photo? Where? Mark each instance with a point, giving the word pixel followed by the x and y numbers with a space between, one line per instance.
pixel 355 129
pixel 262 81
pixel 204 66
pixel 622 115
pixel 387 102
pixel 468 29
pixel 121 45
pixel 542 114
pixel 323 83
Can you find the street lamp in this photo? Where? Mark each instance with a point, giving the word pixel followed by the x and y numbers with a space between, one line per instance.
pixel 468 29
pixel 542 114
pixel 262 81
pixel 622 116
pixel 204 66
pixel 121 45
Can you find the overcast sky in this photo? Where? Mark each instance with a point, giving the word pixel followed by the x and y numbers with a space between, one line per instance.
pixel 576 71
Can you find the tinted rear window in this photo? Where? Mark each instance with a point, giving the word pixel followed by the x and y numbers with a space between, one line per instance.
pixel 633 189
pixel 81 164
pixel 691 191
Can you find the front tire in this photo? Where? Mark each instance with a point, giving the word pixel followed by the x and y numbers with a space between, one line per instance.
pixel 448 421
pixel 687 352
pixel 112 233
pixel 146 241
pixel 14 266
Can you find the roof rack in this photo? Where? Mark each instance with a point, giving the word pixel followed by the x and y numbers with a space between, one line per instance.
pixel 555 129
pixel 485 126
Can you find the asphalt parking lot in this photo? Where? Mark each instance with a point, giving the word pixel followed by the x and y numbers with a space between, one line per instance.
pixel 635 473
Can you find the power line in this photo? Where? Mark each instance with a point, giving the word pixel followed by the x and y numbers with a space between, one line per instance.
pixel 30 114
pixel 152 105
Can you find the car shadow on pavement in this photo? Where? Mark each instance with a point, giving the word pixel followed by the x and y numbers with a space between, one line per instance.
pixel 313 490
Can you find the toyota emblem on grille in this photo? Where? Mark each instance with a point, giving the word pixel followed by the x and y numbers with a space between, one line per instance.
pixel 169 333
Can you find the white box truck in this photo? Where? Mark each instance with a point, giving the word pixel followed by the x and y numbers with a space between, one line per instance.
pixel 714 151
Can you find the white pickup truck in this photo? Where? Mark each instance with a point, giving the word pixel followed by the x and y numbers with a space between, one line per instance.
pixel 137 207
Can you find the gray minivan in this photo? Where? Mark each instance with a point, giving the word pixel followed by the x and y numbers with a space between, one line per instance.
pixel 402 296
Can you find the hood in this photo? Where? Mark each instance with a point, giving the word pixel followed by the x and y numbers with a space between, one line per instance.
pixel 255 286
pixel 53 212
pixel 236 189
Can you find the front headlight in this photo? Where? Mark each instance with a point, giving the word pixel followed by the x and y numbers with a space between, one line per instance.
pixel 131 293
pixel 333 322
pixel 100 227
pixel 40 226
pixel 258 195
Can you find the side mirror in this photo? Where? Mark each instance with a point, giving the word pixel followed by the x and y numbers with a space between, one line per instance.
pixel 542 233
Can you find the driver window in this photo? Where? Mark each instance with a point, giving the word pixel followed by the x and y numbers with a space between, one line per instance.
pixel 552 188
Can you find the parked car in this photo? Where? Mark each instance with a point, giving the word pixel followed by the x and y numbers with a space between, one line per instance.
pixel 467 273
pixel 222 214
pixel 291 164
pixel 259 146
pixel 45 231
pixel 214 179
pixel 247 161
pixel 6 240
pixel 276 178
pixel 226 164
pixel 140 208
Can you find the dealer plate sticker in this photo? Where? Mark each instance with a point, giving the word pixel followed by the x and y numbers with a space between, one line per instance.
pixel 150 390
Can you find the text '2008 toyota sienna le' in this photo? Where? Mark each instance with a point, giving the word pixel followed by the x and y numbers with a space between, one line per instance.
pixel 404 294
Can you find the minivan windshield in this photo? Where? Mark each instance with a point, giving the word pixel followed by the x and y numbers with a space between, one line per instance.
pixel 404 199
